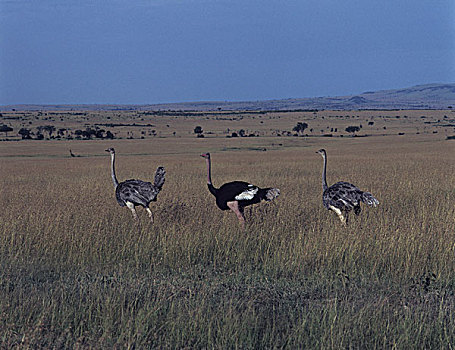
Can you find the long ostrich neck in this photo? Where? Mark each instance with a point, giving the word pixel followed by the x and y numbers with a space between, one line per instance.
pixel 212 188
pixel 114 178
pixel 209 176
pixel 324 179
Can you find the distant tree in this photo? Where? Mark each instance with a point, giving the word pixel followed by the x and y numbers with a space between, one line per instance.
pixel 242 133
pixel 25 133
pixel 86 134
pixel 300 127
pixel 109 135
pixel 198 130
pixel 48 128
pixel 99 133
pixel 352 129
pixel 6 129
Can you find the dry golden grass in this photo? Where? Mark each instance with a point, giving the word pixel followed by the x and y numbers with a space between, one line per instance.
pixel 77 271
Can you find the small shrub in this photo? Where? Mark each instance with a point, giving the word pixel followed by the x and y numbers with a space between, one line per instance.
pixel 352 129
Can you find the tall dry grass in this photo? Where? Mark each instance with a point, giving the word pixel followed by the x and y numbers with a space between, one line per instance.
pixel 77 271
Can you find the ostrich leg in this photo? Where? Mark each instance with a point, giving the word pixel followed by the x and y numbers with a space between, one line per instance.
pixel 150 214
pixel 131 207
pixel 234 206
pixel 343 219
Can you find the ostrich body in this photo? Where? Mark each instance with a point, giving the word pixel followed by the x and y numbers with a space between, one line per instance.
pixel 343 197
pixel 132 193
pixel 237 195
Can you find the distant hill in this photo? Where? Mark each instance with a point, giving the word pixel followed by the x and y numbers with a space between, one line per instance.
pixel 430 96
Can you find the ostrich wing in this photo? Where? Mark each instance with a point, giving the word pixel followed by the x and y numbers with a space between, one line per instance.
pixel 136 191
pixel 342 195
pixel 248 193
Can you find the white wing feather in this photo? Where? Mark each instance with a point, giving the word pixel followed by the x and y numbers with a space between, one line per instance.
pixel 247 195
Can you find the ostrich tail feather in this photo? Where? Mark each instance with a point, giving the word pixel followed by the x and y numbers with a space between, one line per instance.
pixel 272 193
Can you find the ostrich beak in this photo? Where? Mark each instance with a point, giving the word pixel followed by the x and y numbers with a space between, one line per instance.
pixel 203 155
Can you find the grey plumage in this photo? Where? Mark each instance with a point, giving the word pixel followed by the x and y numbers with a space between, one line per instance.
pixel 139 192
pixel 132 193
pixel 342 197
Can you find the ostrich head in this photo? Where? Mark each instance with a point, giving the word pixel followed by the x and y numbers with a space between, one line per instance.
pixel 110 150
pixel 322 152
pixel 205 155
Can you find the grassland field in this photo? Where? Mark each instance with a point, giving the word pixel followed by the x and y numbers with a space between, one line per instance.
pixel 77 272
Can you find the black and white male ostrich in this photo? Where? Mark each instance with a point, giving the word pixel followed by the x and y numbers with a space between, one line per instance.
pixel 136 192
pixel 236 195
pixel 343 197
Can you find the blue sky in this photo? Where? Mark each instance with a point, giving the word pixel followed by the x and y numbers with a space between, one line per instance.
pixel 157 51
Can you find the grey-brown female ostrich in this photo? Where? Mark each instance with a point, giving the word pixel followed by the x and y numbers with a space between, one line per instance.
pixel 136 192
pixel 342 197
pixel 237 195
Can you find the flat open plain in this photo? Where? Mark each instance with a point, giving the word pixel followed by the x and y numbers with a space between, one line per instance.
pixel 77 271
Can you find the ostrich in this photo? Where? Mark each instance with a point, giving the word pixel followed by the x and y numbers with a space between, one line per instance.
pixel 136 192
pixel 237 195
pixel 342 197
pixel 74 155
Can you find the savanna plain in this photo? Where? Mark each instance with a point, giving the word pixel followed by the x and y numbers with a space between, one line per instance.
pixel 76 271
